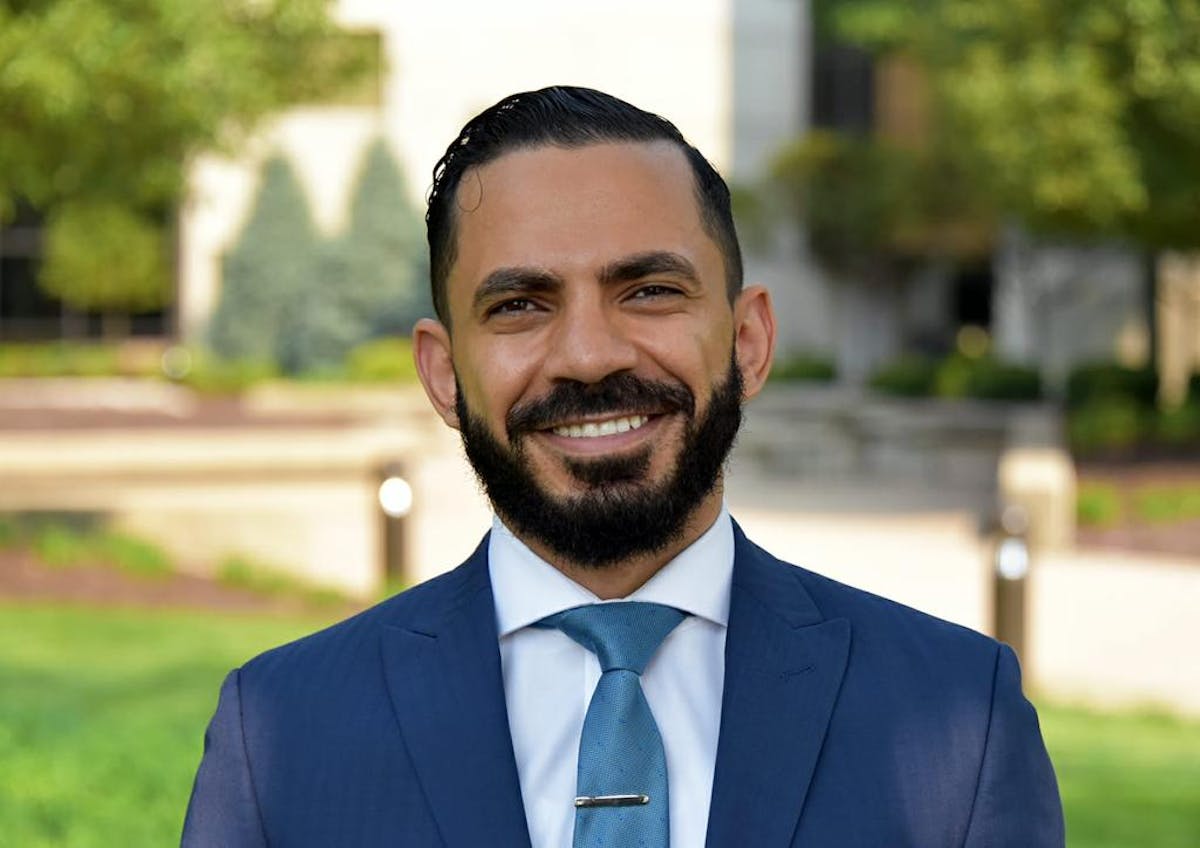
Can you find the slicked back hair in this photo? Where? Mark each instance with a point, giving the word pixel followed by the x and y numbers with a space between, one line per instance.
pixel 566 117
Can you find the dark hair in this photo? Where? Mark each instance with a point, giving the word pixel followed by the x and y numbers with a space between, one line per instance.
pixel 564 116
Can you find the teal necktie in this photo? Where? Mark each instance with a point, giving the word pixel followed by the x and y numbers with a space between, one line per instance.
pixel 622 779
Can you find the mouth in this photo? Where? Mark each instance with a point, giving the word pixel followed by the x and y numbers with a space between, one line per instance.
pixel 603 435
pixel 598 428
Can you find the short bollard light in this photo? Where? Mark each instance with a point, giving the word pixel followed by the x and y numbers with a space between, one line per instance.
pixel 395 495
pixel 1010 573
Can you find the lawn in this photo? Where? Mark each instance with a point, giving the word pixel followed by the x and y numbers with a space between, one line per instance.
pixel 102 714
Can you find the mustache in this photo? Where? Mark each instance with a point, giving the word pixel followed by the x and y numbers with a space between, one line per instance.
pixel 615 393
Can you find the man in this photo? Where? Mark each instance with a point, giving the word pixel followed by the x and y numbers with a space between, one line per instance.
pixel 595 344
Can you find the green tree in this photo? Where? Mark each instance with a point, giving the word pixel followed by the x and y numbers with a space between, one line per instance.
pixel 268 274
pixel 104 101
pixel 103 255
pixel 370 281
pixel 1078 118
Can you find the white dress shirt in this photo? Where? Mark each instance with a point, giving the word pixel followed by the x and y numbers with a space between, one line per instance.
pixel 549 678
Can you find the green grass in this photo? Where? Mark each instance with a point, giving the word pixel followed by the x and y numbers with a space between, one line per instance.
pixel 102 715
pixel 1127 780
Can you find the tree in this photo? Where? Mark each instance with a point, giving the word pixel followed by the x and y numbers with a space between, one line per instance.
pixel 103 102
pixel 1078 118
pixel 268 274
pixel 103 255
pixel 380 263
pixel 370 281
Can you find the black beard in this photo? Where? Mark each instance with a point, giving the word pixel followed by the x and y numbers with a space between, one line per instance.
pixel 620 515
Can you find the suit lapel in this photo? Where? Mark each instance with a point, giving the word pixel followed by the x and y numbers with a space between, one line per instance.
pixel 783 670
pixel 443 675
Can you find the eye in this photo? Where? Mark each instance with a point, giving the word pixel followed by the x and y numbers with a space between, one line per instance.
pixel 653 291
pixel 512 306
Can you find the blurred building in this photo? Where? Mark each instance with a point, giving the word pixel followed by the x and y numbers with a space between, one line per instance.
pixel 732 74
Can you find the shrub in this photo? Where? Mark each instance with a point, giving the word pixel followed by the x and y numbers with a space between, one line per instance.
pixel 1166 504
pixel 1089 384
pixel 1098 505
pixel 213 375
pixel 907 377
pixel 1110 425
pixel 382 361
pixel 268 273
pixel 804 367
pixel 133 555
pixel 1179 427
pixel 992 380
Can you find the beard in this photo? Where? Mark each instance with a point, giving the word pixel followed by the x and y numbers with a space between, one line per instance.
pixel 620 513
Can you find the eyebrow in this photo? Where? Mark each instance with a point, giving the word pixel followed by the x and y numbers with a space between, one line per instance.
pixel 525 280
pixel 505 282
pixel 648 264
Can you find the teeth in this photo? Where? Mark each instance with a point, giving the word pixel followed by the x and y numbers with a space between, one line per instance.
pixel 593 429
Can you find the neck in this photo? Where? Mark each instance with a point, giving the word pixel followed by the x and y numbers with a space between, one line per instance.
pixel 619 580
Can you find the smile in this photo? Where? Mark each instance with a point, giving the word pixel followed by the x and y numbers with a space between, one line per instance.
pixel 596 429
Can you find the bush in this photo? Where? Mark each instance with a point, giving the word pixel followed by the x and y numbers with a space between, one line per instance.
pixel 387 360
pixel 1106 426
pixel 807 368
pixel 210 374
pixel 1179 427
pixel 992 380
pixel 907 377
pixel 1098 505
pixel 1090 384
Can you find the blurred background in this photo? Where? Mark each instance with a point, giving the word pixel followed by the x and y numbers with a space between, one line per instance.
pixel 979 221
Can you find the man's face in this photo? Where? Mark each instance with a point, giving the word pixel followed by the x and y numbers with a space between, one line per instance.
pixel 591 346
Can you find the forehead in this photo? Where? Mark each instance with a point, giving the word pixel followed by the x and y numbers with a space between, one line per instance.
pixel 569 210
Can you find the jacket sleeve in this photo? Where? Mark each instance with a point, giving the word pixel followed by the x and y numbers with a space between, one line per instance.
pixel 1016 798
pixel 224 810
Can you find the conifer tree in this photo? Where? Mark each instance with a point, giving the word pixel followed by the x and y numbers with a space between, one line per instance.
pixel 268 272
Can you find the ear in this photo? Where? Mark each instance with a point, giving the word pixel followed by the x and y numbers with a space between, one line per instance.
pixel 754 337
pixel 435 367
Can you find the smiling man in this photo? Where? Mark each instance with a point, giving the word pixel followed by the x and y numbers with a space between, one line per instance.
pixel 617 664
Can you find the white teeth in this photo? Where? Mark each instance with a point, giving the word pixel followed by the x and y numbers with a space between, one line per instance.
pixel 592 429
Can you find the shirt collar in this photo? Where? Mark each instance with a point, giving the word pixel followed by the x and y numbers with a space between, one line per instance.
pixel 526 588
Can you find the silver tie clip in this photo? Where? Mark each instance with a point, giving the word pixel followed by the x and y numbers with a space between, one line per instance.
pixel 611 800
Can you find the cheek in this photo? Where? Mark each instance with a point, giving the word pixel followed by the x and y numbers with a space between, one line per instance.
pixel 493 384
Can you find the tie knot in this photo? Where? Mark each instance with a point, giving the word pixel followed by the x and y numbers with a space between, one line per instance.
pixel 622 635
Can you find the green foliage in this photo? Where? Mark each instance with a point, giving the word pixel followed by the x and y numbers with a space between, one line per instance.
pixel 59 359
pixel 909 376
pixel 269 273
pixel 1098 505
pixel 1107 425
pixel 305 304
pixel 61 543
pixel 804 367
pixel 958 376
pixel 1179 427
pixel 102 131
pixel 989 379
pixel 865 202
pixel 1167 503
pixel 213 375
pixel 1102 381
pixel 242 572
pixel 1077 118
pixel 105 256
pixel 387 360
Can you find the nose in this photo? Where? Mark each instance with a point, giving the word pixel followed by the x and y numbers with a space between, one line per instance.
pixel 590 343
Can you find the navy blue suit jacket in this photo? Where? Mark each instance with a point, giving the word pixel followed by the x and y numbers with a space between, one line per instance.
pixel 847 720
